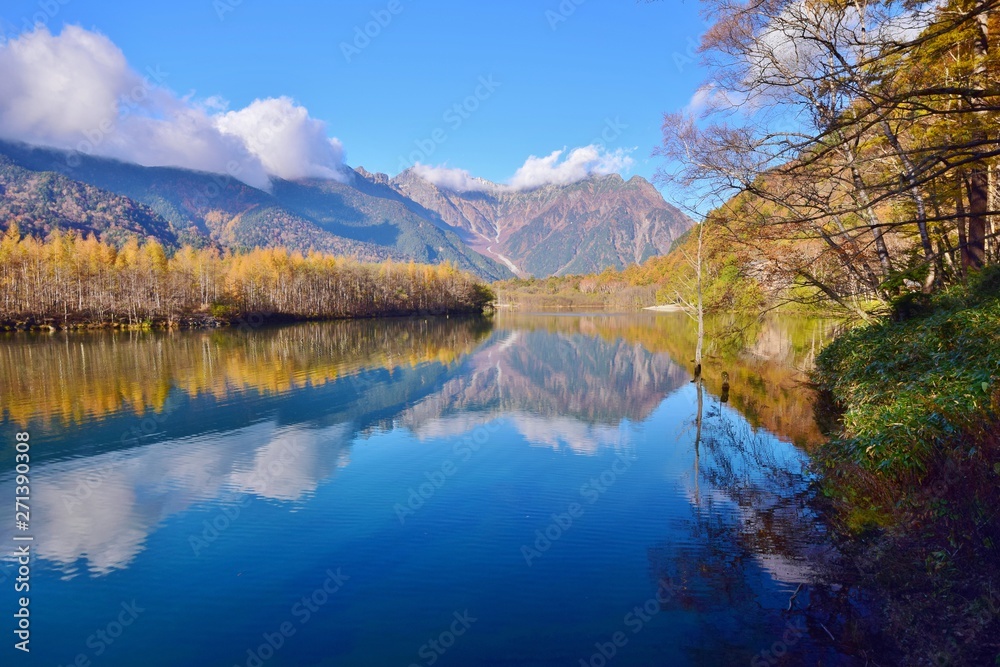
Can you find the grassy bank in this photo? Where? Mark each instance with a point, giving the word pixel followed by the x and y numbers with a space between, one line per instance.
pixel 913 471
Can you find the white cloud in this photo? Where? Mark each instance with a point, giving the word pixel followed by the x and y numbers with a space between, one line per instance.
pixel 289 143
pixel 75 91
pixel 457 180
pixel 52 88
pixel 579 164
pixel 712 98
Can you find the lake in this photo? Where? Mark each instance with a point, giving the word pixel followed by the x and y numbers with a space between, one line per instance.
pixel 536 489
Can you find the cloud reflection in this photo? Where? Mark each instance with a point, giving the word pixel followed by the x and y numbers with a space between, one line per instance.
pixel 101 509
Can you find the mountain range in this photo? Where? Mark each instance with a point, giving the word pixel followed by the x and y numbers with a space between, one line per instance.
pixel 492 230
pixel 582 227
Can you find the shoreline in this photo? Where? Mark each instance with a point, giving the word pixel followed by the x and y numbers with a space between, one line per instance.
pixel 207 322
pixel 910 475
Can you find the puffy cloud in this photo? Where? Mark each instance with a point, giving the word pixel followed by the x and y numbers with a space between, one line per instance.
pixel 568 433
pixel 457 180
pixel 75 91
pixel 579 164
pixel 54 88
pixel 289 143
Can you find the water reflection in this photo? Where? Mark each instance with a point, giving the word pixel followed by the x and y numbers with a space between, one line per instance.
pixel 78 378
pixel 321 429
pixel 751 523
pixel 562 389
pixel 766 361
pixel 96 513
pixel 562 382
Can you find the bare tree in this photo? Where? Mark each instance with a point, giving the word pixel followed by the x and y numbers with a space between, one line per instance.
pixel 822 132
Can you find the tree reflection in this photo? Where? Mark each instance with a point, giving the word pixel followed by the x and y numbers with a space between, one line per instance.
pixel 80 377
pixel 751 531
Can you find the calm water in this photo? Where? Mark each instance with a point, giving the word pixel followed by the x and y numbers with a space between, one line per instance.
pixel 536 490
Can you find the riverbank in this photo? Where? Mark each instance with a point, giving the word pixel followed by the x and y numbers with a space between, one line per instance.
pixel 913 469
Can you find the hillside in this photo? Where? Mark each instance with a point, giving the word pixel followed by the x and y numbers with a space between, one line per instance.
pixel 40 202
pixel 200 209
pixel 600 222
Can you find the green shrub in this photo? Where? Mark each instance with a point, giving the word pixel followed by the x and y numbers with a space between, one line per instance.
pixel 911 388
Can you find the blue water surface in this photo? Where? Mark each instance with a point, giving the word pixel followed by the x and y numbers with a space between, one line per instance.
pixel 537 491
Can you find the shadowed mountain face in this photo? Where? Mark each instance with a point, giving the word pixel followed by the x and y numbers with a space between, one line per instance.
pixel 583 227
pixel 42 201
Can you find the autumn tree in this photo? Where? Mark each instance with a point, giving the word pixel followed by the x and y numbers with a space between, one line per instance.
pixel 820 133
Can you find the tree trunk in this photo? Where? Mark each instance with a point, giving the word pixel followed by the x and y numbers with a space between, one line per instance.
pixel 701 309
pixel 974 251
pixel 979 182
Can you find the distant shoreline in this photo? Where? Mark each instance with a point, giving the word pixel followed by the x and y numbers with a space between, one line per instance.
pixel 666 308
pixel 195 322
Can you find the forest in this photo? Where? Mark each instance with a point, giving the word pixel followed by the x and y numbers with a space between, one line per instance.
pixel 68 280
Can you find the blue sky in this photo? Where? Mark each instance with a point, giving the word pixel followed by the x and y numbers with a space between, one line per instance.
pixel 561 77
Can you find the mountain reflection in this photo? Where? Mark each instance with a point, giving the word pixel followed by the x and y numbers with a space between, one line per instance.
pixel 766 359
pixel 558 389
pixel 273 414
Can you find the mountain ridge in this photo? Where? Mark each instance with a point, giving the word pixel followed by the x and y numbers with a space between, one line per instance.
pixel 581 227
pixel 493 231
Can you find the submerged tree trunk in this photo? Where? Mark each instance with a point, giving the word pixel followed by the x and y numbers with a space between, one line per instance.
pixel 701 311
pixel 697 437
